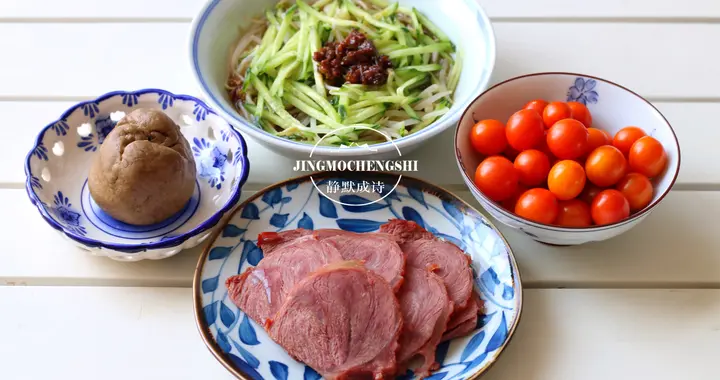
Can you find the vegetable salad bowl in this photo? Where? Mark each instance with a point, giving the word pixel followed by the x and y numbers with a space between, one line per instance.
pixel 244 347
pixel 57 169
pixel 217 28
pixel 613 107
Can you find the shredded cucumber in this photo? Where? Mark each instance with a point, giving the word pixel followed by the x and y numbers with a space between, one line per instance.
pixel 274 66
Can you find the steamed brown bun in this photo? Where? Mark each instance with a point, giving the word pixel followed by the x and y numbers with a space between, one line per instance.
pixel 144 172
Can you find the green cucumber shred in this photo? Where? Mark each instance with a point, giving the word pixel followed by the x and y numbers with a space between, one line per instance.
pixel 277 84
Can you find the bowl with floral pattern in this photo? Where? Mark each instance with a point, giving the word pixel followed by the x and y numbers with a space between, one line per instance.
pixel 57 170
pixel 361 203
pixel 612 106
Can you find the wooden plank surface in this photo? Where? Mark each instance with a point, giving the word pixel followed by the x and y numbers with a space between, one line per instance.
pixel 603 10
pixel 139 55
pixel 677 246
pixel 149 333
pixel 437 159
pixel 614 334
pixel 135 320
pixel 102 333
pixel 529 9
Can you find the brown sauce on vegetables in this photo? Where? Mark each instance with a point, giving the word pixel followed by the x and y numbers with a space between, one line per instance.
pixel 354 60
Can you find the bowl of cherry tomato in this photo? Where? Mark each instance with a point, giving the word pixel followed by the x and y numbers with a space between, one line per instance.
pixel 566 158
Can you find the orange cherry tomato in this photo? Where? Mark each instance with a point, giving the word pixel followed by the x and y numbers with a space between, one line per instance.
pixel 524 130
pixel 533 167
pixel 538 205
pixel 537 105
pixel 497 178
pixel 574 213
pixel 488 137
pixel 605 166
pixel 568 139
pixel 554 112
pixel 581 113
pixel 509 204
pixel 637 189
pixel 648 157
pixel 609 207
pixel 589 192
pixel 626 137
pixel 566 180
pixel 597 138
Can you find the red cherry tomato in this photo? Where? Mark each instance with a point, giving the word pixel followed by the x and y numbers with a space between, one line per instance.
pixel 510 153
pixel 609 207
pixel 605 166
pixel 590 192
pixel 537 105
pixel 647 156
pixel 533 167
pixel 580 113
pixel 637 189
pixel 597 138
pixel 488 137
pixel 524 130
pixel 537 205
pixel 554 112
pixel 609 136
pixel 568 139
pixel 574 213
pixel 497 178
pixel 566 180
pixel 509 204
pixel 626 137
pixel 543 147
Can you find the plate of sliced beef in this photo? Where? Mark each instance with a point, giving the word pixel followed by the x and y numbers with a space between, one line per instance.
pixel 325 277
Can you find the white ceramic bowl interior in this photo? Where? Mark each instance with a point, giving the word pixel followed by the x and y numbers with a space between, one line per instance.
pixel 58 164
pixel 217 27
pixel 612 106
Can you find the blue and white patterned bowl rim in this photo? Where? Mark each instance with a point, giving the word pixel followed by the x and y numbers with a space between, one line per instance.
pixel 578 96
pixel 133 248
pixel 451 117
pixel 199 284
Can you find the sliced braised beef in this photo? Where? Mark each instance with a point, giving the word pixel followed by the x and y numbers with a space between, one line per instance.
pixel 378 252
pixel 444 258
pixel 261 291
pixel 426 310
pixel 464 321
pixel 460 330
pixel 343 321
pixel 405 230
pixel 256 292
pixel 269 241
pixel 470 312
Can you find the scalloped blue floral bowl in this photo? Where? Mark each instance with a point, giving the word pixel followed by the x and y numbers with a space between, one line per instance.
pixel 612 106
pixel 58 164
pixel 245 349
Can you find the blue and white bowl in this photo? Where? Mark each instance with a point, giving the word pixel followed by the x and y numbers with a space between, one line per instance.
pixel 245 349
pixel 612 106
pixel 216 28
pixel 58 164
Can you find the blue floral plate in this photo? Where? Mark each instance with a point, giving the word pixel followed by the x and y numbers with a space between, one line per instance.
pixel 358 203
pixel 57 168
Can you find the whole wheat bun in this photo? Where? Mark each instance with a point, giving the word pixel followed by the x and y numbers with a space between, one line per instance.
pixel 145 171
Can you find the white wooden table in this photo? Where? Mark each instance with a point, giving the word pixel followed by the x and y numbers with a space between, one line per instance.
pixel 645 305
